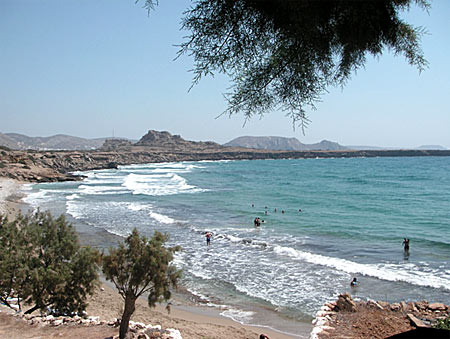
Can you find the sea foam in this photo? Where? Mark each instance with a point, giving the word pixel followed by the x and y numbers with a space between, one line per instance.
pixel 409 273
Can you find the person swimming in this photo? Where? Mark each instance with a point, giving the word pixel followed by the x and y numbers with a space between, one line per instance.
pixel 354 282
pixel 257 222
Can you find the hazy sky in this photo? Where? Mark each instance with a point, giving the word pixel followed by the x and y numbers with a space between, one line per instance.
pixel 88 67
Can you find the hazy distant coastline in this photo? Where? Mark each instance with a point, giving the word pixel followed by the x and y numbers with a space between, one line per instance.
pixel 17 141
pixel 59 165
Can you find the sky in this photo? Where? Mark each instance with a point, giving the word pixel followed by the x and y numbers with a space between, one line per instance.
pixel 106 67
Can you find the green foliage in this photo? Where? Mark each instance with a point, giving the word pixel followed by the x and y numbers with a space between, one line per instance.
pixel 443 324
pixel 42 262
pixel 138 266
pixel 284 54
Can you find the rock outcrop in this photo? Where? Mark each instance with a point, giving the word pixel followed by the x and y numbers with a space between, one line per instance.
pixel 374 319
pixel 168 141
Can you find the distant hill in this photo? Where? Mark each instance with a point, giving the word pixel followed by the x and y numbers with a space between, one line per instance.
pixel 7 141
pixel 283 144
pixel 165 139
pixel 55 142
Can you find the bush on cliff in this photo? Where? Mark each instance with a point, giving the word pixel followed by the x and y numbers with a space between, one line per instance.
pixel 141 266
pixel 443 324
pixel 43 264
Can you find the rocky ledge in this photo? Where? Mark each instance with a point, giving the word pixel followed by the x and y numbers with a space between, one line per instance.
pixel 346 318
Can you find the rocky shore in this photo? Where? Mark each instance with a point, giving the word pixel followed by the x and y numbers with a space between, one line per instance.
pixel 50 166
pixel 346 318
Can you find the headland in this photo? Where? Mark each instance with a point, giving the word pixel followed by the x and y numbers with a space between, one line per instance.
pixel 156 147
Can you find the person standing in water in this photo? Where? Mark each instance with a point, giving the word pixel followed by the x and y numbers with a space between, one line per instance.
pixel 406 244
pixel 208 238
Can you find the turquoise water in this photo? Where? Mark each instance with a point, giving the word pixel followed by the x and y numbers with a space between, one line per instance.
pixel 354 215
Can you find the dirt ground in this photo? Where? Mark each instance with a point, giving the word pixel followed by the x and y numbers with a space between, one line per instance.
pixel 107 304
pixel 368 323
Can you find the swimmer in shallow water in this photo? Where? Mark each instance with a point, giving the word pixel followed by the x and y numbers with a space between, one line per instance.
pixel 354 282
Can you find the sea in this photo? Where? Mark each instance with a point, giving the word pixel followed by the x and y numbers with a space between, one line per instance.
pixel 325 221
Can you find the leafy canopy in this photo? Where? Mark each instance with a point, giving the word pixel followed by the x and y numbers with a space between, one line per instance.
pixel 42 262
pixel 283 54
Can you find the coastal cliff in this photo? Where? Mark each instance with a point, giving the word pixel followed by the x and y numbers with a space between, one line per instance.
pixel 47 166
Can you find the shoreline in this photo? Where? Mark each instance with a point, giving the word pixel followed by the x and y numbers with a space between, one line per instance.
pixel 186 314
pixel 10 197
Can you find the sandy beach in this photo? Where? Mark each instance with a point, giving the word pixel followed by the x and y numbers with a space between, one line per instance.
pixel 10 196
pixel 192 320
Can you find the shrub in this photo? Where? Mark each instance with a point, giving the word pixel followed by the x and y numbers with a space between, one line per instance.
pixel 42 263
pixel 443 324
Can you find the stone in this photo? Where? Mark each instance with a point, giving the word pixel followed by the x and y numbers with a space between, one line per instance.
pixel 345 303
pixel 49 318
pixel 93 319
pixel 403 306
pixel 437 307
pixel 331 306
pixel 137 325
pixel 395 307
pixel 57 322
pixel 415 321
pixel 383 304
pixel 412 307
pixel 422 305
pixel 374 304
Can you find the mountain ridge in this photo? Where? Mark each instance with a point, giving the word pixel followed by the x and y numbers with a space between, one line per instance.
pixel 283 144
pixel 19 141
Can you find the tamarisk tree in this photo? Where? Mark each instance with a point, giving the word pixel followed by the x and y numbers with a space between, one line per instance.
pixel 43 264
pixel 139 266
pixel 284 54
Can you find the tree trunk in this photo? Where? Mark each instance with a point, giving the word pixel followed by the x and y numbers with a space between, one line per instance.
pixel 129 308
pixel 31 310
